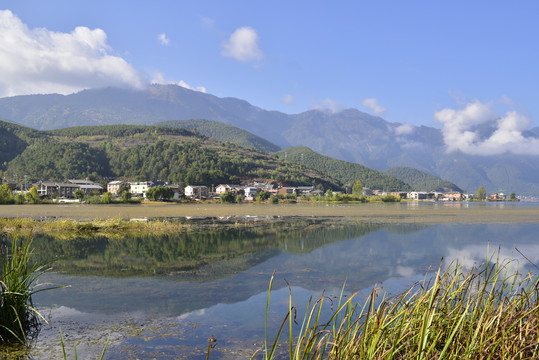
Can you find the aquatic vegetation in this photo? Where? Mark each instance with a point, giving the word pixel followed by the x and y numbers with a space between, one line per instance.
pixel 19 320
pixel 489 311
pixel 64 354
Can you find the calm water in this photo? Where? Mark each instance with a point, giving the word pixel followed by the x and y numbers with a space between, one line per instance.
pixel 164 296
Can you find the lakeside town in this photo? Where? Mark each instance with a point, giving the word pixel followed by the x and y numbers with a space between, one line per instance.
pixel 77 190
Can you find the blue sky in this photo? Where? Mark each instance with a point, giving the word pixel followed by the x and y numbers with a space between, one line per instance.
pixel 405 61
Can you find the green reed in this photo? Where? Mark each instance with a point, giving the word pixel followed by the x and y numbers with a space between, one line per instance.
pixel 19 320
pixel 487 312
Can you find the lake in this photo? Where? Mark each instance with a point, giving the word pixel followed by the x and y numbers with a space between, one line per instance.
pixel 163 296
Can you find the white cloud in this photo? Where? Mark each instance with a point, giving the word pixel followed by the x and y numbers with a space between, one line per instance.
pixel 372 104
pixel 404 129
pixel 187 86
pixel 288 99
pixel 37 61
pixel 459 134
pixel 329 105
pixel 163 39
pixel 159 78
pixel 243 45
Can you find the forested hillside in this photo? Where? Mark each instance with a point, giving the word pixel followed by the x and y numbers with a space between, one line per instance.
pixel 141 153
pixel 13 140
pixel 421 181
pixel 224 133
pixel 344 171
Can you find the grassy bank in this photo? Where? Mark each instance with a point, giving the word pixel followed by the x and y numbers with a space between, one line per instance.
pixel 488 312
pixel 66 227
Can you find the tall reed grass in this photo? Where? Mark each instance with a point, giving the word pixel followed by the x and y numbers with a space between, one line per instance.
pixel 19 320
pixel 487 312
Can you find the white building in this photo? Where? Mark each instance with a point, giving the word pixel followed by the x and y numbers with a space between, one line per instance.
pixel 139 188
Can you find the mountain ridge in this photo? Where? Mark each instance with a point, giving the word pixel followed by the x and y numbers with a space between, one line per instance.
pixel 349 135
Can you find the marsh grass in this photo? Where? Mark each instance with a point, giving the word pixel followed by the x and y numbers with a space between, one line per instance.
pixel 488 312
pixel 19 320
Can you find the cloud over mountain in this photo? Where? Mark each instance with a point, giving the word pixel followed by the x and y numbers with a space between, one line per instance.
pixel 460 131
pixel 373 105
pixel 37 61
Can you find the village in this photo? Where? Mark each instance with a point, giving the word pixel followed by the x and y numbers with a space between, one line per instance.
pixel 75 190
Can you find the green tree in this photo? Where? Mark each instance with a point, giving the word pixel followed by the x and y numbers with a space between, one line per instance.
pixel 124 187
pixel 6 195
pixel 33 196
pixel 481 193
pixel 126 196
pixel 357 188
pixel 227 197
pixel 106 198
pixel 273 199
pixel 79 194
pixel 19 199
pixel 163 193
pixel 166 193
pixel 151 193
pixel 263 195
pixel 329 195
pixel 513 196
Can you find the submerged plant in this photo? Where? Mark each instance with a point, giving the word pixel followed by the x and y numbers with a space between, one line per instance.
pixel 488 312
pixel 19 320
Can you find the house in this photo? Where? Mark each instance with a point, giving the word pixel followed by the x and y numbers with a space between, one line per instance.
pixel 250 192
pixel 305 190
pixel 198 191
pixel 50 189
pixel 401 194
pixel 177 191
pixel 139 188
pixel 263 186
pixel 222 188
pixel 46 188
pixel 114 186
pixel 419 195
pixel 286 191
pixel 66 189
pixel 452 196
pixel 12 184
pixel 87 186
pixel 298 190
pixel 496 197
pixel 367 192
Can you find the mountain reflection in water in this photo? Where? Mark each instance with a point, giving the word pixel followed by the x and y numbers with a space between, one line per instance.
pixel 169 293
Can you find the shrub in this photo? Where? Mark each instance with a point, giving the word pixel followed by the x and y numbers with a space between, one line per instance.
pixel 19 320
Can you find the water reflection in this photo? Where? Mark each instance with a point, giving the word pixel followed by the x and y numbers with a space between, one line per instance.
pixel 167 294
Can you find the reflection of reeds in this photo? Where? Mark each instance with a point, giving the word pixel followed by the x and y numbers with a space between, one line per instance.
pixel 18 318
pixel 488 312
pixel 69 228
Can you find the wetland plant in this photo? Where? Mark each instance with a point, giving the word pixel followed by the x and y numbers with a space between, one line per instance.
pixel 487 312
pixel 19 320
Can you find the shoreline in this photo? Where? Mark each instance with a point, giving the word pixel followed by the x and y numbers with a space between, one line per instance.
pixel 504 213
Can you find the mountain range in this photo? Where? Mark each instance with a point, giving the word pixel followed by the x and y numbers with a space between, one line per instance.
pixel 349 135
